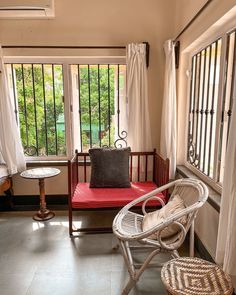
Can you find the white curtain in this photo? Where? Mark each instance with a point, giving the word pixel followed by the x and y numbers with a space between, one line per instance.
pixel 139 136
pixel 10 143
pixel 168 122
pixel 226 241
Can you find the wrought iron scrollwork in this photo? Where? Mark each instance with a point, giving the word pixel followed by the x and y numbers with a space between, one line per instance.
pixel 122 136
pixel 192 155
pixel 121 141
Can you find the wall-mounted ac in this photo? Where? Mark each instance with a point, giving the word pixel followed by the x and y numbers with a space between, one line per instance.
pixel 14 9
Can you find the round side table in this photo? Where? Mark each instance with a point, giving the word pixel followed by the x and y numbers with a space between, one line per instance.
pixel 40 174
pixel 195 276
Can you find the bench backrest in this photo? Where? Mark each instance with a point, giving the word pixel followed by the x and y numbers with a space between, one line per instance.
pixel 143 166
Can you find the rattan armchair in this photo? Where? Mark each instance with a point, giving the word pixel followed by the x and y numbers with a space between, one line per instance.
pixel 127 226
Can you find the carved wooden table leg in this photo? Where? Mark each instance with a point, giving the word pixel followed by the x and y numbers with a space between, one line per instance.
pixel 40 174
pixel 43 213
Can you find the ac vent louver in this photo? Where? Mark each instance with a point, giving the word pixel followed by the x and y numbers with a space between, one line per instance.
pixel 14 9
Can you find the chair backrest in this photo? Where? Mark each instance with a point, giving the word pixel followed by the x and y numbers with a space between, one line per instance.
pixel 194 194
pixel 191 191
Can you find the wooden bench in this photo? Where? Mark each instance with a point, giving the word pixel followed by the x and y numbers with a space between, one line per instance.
pixel 148 171
pixel 6 187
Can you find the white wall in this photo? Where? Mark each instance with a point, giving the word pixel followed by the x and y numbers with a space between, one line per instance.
pixel 53 186
pixel 206 227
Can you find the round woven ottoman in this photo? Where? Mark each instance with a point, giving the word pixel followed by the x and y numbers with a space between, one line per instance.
pixel 195 276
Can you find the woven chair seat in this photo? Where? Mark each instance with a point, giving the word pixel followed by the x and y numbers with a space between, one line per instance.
pixel 131 223
pixel 195 276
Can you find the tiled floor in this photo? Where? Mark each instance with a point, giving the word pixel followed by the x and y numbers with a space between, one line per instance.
pixel 40 258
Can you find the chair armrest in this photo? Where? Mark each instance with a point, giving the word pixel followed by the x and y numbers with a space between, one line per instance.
pixel 148 195
pixel 149 199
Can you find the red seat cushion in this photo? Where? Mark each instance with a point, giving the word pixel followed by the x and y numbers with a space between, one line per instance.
pixel 86 197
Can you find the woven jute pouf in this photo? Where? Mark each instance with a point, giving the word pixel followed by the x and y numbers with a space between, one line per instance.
pixel 195 276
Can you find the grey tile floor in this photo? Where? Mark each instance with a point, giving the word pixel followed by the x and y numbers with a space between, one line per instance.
pixel 40 258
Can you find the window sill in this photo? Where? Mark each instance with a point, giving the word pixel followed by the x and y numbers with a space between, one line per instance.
pixel 214 198
pixel 46 163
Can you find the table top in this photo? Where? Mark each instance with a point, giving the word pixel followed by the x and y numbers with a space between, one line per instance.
pixel 40 173
pixel 194 276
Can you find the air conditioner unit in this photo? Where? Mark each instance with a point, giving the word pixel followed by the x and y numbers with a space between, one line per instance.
pixel 26 9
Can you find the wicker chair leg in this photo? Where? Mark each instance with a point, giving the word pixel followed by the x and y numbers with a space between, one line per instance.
pixel 128 258
pixel 131 283
pixel 191 240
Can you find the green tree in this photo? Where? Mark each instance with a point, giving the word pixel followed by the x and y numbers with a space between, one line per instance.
pixel 38 110
pixel 97 98
pixel 39 90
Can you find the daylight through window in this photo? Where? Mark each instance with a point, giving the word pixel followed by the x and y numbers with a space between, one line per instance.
pixel 37 91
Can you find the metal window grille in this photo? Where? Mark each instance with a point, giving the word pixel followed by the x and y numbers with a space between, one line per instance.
pixel 37 92
pixel 204 90
pixel 101 105
pixel 206 149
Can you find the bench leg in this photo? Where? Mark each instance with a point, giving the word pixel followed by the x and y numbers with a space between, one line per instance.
pixel 70 222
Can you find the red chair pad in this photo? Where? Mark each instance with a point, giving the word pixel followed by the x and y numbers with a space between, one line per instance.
pixel 85 197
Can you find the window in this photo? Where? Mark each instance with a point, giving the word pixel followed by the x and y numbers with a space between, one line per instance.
pixel 63 106
pixel 37 90
pixel 212 89
pixel 99 100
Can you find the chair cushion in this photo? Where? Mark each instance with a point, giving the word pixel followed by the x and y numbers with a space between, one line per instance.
pixel 109 167
pixel 175 205
pixel 86 197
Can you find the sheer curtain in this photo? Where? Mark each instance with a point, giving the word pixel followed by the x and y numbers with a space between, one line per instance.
pixel 168 122
pixel 226 242
pixel 139 137
pixel 10 142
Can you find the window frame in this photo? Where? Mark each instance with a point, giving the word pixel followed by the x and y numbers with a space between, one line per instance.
pixel 66 62
pixel 219 33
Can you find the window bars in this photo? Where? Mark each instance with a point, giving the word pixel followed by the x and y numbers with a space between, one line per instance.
pixel 37 91
pixel 207 131
pixel 38 98
pixel 101 102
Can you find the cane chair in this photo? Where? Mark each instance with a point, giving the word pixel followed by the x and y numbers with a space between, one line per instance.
pixel 127 226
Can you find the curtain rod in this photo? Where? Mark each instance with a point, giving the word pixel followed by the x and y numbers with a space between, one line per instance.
pixel 79 47
pixel 193 19
pixel 64 47
pixel 177 43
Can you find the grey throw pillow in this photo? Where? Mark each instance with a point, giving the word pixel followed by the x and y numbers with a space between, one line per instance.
pixel 109 167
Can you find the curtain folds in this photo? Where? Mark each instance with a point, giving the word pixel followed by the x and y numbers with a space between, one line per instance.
pixel 226 240
pixel 10 143
pixel 168 122
pixel 139 132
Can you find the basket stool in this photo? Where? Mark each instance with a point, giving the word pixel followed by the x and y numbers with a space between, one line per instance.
pixel 195 276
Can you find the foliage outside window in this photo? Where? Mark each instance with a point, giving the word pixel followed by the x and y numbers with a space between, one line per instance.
pixel 100 98
pixel 97 106
pixel 37 90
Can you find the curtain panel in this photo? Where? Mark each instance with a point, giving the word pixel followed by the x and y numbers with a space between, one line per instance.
pixel 168 121
pixel 226 240
pixel 139 132
pixel 10 143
